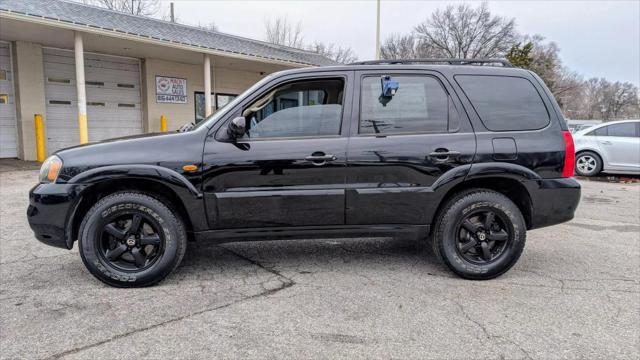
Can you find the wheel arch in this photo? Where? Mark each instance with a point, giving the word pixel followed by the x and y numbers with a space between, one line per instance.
pixel 510 185
pixel 596 152
pixel 160 184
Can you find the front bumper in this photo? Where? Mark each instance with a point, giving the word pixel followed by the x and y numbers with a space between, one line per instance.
pixel 51 206
pixel 554 201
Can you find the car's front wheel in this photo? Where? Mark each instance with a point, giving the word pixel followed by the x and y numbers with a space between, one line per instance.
pixel 480 234
pixel 131 240
pixel 588 164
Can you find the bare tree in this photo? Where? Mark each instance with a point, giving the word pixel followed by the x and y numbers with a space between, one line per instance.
pixel 398 46
pixel 602 99
pixel 621 100
pixel 134 7
pixel 211 26
pixel 465 32
pixel 279 31
pixel 342 55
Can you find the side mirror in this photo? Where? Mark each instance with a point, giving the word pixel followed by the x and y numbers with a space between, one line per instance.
pixel 237 127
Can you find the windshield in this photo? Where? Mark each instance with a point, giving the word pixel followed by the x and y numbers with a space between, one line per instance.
pixel 213 118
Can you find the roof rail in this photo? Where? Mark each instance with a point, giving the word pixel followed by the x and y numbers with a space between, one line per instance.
pixel 503 62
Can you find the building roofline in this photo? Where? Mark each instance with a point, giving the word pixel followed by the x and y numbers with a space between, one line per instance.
pixel 8 14
pixel 188 26
pixel 301 60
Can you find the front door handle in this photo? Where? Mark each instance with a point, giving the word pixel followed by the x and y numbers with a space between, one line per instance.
pixel 605 142
pixel 320 159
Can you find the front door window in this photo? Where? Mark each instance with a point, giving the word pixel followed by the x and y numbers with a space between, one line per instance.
pixel 300 109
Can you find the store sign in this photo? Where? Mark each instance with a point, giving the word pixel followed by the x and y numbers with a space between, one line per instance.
pixel 171 90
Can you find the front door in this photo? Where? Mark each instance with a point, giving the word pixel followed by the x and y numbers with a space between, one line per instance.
pixel 401 146
pixel 290 167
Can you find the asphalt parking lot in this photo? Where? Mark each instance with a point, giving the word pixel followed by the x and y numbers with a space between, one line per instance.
pixel 575 293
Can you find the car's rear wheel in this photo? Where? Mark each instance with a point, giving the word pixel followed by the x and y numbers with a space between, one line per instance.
pixel 480 234
pixel 588 164
pixel 131 240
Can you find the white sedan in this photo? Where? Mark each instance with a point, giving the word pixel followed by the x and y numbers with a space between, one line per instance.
pixel 612 147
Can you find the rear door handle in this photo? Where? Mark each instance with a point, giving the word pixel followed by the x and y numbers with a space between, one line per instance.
pixel 320 159
pixel 444 153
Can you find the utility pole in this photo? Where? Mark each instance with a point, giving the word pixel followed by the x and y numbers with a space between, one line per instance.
pixel 173 17
pixel 378 31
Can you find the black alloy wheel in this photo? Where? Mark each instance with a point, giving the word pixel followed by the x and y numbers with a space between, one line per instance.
pixel 479 234
pixel 130 239
pixel 131 242
pixel 482 236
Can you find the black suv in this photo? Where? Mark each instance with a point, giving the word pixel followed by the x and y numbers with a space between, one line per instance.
pixel 469 154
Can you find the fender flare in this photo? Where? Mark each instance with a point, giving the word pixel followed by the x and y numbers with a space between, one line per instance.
pixel 145 172
pixel 183 189
pixel 503 170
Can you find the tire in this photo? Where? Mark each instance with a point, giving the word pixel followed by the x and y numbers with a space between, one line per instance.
pixel 588 163
pixel 122 254
pixel 463 220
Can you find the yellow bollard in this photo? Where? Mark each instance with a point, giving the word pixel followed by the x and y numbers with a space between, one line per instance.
pixel 40 149
pixel 82 128
pixel 163 123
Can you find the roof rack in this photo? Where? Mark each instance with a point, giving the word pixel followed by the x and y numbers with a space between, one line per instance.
pixel 503 62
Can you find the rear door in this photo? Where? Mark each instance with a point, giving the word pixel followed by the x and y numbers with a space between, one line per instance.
pixel 398 150
pixel 620 146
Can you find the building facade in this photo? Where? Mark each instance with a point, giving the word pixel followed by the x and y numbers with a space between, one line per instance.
pixel 101 74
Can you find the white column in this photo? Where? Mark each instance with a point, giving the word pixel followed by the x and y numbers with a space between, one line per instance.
pixel 80 88
pixel 207 85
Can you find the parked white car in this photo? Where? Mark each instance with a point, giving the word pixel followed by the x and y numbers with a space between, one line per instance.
pixel 612 147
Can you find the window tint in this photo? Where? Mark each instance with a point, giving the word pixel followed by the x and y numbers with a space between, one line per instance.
pixel 505 103
pixel 625 129
pixel 310 108
pixel 419 105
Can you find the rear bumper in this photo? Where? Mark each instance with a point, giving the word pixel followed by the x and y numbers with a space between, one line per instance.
pixel 50 208
pixel 554 201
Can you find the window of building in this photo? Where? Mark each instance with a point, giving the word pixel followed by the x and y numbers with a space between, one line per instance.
pixel 59 81
pixel 419 105
pixel 218 101
pixel 59 102
pixel 505 103
pixel 223 99
pixel 298 109
pixel 4 98
pixel 3 74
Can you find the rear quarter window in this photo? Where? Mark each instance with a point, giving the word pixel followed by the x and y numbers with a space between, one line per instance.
pixel 505 103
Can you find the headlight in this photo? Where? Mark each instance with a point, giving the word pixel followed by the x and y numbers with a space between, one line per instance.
pixel 50 169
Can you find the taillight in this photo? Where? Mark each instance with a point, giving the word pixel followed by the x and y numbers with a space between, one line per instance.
pixel 569 155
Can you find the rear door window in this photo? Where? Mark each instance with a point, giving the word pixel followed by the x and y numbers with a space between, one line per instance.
pixel 420 105
pixel 505 103
pixel 623 130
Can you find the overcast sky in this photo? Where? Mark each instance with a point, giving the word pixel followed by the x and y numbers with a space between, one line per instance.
pixel 596 38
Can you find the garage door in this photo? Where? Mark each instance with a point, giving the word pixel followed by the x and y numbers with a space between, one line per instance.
pixel 113 97
pixel 8 137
